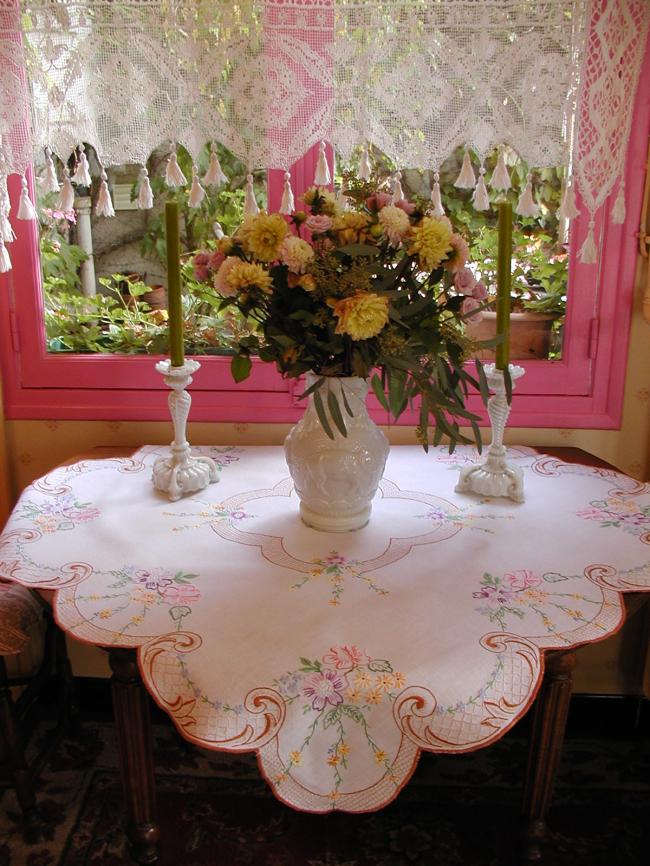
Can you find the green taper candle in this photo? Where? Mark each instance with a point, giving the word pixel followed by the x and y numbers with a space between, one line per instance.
pixel 174 304
pixel 504 280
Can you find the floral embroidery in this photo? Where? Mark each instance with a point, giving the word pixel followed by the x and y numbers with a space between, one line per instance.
pixel 478 697
pixel 59 513
pixel 620 512
pixel 336 568
pixel 517 593
pixel 138 590
pixel 462 517
pixel 336 692
pixel 211 512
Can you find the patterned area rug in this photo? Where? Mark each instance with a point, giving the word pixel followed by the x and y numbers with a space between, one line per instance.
pixel 456 811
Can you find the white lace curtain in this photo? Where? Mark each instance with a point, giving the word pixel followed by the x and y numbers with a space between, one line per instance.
pixel 553 79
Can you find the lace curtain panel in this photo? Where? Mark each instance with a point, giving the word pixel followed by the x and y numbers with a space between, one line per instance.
pixel 553 79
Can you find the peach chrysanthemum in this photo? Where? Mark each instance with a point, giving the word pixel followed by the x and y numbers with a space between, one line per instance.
pixel 361 316
pixel 431 242
pixel 458 255
pixel 262 235
pixel 395 223
pixel 296 254
pixel 220 278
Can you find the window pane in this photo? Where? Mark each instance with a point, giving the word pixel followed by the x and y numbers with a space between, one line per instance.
pixel 104 279
pixel 540 254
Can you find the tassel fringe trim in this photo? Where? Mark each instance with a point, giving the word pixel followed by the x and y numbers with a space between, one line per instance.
pixel 322 176
pixel 26 210
pixel 197 193
pixel 288 204
pixel 436 199
pixel 50 180
pixel 466 179
pixel 174 176
pixel 214 176
pixel 66 194
pixel 81 174
pixel 480 198
pixel 145 193
pixel 250 203
pixel 104 206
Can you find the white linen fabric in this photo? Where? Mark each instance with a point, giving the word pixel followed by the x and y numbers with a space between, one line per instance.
pixel 337 657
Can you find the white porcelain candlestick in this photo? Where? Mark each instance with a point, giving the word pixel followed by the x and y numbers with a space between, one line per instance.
pixel 495 476
pixel 180 472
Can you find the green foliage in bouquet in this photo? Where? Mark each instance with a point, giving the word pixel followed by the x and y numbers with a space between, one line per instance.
pixel 378 290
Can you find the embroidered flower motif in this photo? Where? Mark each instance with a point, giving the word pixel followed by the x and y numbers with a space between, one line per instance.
pixel 344 658
pixel 522 579
pixel 325 687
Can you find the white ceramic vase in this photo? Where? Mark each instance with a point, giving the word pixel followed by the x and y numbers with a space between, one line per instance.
pixel 336 479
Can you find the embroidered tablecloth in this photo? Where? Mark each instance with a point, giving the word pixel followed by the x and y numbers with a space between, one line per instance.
pixel 337 657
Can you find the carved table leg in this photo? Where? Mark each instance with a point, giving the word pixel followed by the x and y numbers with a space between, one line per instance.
pixel 133 725
pixel 546 739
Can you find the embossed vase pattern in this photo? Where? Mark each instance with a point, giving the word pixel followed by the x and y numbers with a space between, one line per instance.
pixel 336 479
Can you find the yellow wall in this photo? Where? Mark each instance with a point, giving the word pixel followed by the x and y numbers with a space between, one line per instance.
pixel 615 666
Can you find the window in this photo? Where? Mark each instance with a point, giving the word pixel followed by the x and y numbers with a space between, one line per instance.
pixel 583 389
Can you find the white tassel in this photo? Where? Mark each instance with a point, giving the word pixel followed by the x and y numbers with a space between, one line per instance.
pixel 174 176
pixel 322 176
pixel 218 231
pixel 214 176
pixel 466 179
pixel 104 206
pixel 6 231
pixel 481 198
pixel 365 168
pixel 82 171
pixel 438 209
pixel 500 179
pixel 398 192
pixel 618 211
pixel 145 193
pixel 288 204
pixel 5 258
pixel 588 253
pixel 197 193
pixel 50 180
pixel 568 209
pixel 26 209
pixel 526 205
pixel 250 203
pixel 65 201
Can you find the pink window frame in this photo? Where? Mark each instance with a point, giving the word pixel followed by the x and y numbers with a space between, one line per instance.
pixel 583 390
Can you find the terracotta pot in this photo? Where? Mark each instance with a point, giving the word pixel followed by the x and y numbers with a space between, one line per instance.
pixel 156 298
pixel 530 334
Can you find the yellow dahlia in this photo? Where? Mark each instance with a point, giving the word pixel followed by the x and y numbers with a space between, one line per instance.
pixel 361 316
pixel 431 242
pixel 247 275
pixel 262 235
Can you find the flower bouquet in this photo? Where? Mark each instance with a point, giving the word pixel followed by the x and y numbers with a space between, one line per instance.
pixel 377 289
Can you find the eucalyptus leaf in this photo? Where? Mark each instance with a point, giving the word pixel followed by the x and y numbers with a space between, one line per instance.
pixel 335 412
pixel 322 415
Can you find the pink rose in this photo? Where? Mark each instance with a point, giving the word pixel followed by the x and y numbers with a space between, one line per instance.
pixel 522 579
pixel 378 200
pixel 407 206
pixel 469 305
pixel 479 292
pixel 464 281
pixel 318 223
